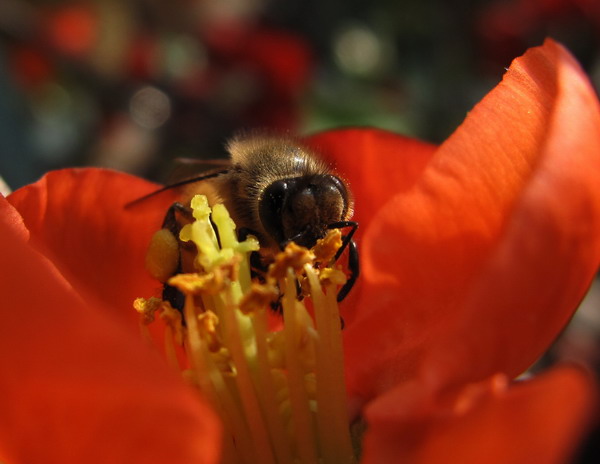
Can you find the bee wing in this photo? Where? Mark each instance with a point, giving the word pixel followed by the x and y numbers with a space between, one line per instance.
pixel 214 162
pixel 187 168
pixel 173 185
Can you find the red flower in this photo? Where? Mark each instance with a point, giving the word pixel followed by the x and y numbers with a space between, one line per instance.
pixel 474 253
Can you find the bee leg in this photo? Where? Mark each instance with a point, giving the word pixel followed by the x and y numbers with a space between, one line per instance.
pixel 347 238
pixel 353 258
pixel 170 222
pixel 353 267
pixel 175 297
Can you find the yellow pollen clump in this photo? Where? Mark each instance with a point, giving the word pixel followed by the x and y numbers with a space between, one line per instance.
pixel 197 284
pixel 280 393
pixel 162 257
pixel 293 257
pixel 147 308
pixel 258 297
pixel 330 276
pixel 326 248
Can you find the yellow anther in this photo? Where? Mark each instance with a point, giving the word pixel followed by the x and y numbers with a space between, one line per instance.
pixel 327 247
pixel 146 308
pixel 294 256
pixel 210 283
pixel 198 284
pixel 207 327
pixel 330 276
pixel 258 297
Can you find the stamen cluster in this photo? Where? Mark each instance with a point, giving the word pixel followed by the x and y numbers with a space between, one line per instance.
pixel 279 392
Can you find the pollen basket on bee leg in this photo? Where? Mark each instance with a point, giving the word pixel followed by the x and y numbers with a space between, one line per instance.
pixel 162 257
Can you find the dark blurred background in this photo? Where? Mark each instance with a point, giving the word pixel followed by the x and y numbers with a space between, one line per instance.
pixel 134 84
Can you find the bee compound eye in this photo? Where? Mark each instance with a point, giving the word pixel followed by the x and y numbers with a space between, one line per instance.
pixel 270 207
pixel 332 201
pixel 338 186
pixel 302 203
pixel 275 194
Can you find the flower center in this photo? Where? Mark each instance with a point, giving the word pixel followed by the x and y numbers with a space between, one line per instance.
pixel 280 393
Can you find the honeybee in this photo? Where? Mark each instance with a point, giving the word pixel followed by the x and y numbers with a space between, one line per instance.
pixel 277 190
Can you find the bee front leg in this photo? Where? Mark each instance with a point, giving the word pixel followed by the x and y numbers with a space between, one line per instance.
pixel 353 267
pixel 170 221
pixel 347 238
pixel 353 258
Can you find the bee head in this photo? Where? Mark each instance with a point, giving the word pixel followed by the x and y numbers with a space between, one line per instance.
pixel 299 209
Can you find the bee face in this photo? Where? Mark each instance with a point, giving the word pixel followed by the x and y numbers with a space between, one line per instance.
pixel 280 191
pixel 300 209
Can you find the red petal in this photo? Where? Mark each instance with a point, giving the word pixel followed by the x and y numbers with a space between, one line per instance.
pixel 488 255
pixel 13 220
pixel 76 385
pixel 537 421
pixel 77 217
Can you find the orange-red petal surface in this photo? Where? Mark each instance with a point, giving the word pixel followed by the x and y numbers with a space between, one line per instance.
pixel 486 257
pixel 77 218
pixel 76 385
pixel 537 421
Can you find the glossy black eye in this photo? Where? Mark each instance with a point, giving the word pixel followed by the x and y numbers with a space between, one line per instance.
pixel 270 208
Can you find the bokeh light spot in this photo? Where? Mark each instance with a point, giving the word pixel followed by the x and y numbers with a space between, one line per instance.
pixel 150 107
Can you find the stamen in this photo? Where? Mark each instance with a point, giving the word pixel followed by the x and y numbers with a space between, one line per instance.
pixel 173 328
pixel 331 392
pixel 280 394
pixel 301 419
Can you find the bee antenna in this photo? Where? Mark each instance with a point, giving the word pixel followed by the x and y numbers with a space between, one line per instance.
pixel 174 185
